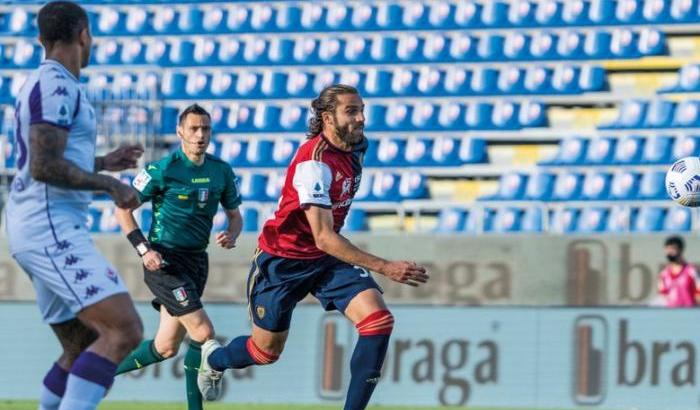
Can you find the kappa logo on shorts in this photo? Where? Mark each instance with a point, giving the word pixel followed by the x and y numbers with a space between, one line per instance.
pixel 91 291
pixel 260 311
pixel 112 275
pixel 181 296
pixel 71 260
pixel 81 275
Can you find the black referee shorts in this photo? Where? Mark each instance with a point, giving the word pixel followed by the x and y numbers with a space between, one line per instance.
pixel 180 283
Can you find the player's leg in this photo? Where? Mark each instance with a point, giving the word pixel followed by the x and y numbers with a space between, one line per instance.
pixel 275 285
pixel 164 346
pixel 97 296
pixel 354 292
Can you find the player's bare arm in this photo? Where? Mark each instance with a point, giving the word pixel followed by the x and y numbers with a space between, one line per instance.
pixel 329 241
pixel 47 164
pixel 124 157
pixel 227 239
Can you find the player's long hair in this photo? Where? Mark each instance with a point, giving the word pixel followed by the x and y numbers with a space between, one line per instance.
pixel 327 101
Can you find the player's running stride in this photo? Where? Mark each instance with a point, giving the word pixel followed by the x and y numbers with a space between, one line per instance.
pixel 78 292
pixel 185 189
pixel 301 252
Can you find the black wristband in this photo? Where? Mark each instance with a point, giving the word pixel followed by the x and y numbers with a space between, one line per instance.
pixel 138 241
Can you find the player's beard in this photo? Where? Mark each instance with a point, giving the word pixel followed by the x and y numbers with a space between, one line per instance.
pixel 350 137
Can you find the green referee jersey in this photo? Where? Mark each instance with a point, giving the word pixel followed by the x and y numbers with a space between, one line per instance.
pixel 185 198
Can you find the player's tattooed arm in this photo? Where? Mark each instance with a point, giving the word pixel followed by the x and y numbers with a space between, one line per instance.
pixel 47 164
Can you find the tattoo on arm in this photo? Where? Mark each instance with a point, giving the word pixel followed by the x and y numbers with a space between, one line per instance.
pixel 48 165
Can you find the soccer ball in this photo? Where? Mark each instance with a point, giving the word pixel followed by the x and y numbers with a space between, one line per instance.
pixel 683 181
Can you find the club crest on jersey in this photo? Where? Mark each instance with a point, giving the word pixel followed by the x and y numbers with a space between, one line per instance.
pixel 202 196
pixel 181 296
pixel 260 311
pixel 347 184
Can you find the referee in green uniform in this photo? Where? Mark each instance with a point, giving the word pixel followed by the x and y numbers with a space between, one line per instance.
pixel 185 189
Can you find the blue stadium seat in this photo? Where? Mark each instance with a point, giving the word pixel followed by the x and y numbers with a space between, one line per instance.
pixel 688 78
pixel 108 53
pixel 631 114
pixel 467 14
pixel 424 116
pixel 624 185
pixel 450 116
pixel 593 220
pixel 484 81
pixel 181 53
pixel 356 221
pixel 20 22
pixel 532 220
pixel 205 52
pixel 230 52
pixel 511 80
pixel 190 21
pixel 600 151
pixel 596 186
pixel 657 11
pixel 687 114
pixel 507 220
pixel 262 17
pixel 219 222
pixel 398 117
pixel 538 80
pixel 311 17
pixel 539 186
pixel 592 78
pixel 259 152
pixel 571 151
pixel 111 22
pixel 652 186
pixel 435 48
pixel 418 152
pixel 567 187
pixel 451 220
pixel 601 11
pixel 157 52
pixel 275 183
pixel 222 85
pixel 137 21
pixel 198 85
pixel 505 115
pixel 174 85
pixel 532 114
pixel 652 42
pixel 549 13
pixel 377 83
pixel 659 114
pixel 543 46
pixel 292 118
pixel 430 82
pixel 249 84
pixel 648 219
pixel 251 216
pixel 375 116
pixel 288 18
pixel 490 47
pixel 463 47
pixel 252 186
pixel 219 116
pixel 657 150
pixel 619 219
pixel 521 13
pixel 571 45
pixel 165 20
pixel 403 82
pixel 575 12
pixel 516 46
pixel 409 48
pixel 390 152
pixel 283 151
pixel 565 80
pixel 478 116
pixel 473 151
pixel 564 220
pixel 458 81
pixel 629 150
pixel 683 10
pixel 255 51
pixel 5 90
pixel 413 185
pixel 445 152
pixel 385 187
pixel 214 19
pixel 678 219
pixel 597 45
pixel 306 51
pixel 686 146
pixel 108 222
pixel 511 187
pixel 234 151
pixel 494 14
pixel 629 12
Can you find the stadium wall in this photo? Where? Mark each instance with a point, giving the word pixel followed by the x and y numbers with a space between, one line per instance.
pixel 624 358
pixel 465 270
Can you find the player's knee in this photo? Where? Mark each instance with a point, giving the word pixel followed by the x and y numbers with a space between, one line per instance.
pixel 127 338
pixel 380 322
pixel 168 350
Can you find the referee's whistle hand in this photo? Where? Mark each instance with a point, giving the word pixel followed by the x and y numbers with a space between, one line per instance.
pixel 224 240
pixel 152 260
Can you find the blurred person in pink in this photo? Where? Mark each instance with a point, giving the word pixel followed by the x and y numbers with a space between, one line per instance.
pixel 678 281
